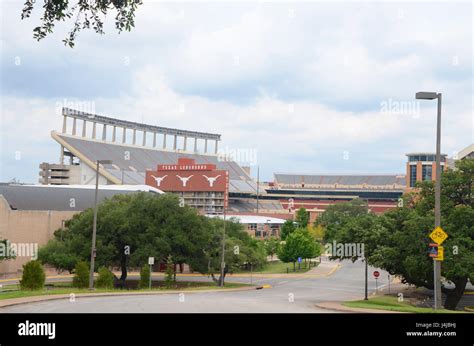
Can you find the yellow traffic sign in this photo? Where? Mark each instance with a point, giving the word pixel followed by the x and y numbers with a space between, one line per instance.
pixel 438 235
pixel 440 254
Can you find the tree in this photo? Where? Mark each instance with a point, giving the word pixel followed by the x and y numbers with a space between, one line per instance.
pixel 302 218
pixel 57 254
pixel 6 252
pixel 287 228
pixel 271 246
pixel 81 275
pixel 240 249
pixel 298 244
pixel 130 228
pixel 85 13
pixel 404 251
pixel 398 240
pixel 33 277
pixel 316 232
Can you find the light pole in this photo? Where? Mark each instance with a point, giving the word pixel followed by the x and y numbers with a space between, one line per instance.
pixel 94 225
pixel 366 295
pixel 423 95
pixel 223 253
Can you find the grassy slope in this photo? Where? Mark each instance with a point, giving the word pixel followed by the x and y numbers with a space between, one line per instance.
pixel 392 304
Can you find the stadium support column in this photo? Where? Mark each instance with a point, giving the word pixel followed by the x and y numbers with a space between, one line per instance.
pixel 124 135
pixel 94 127
pixel 134 136
pixel 61 156
pixel 164 140
pixel 154 139
pixel 144 138
pixel 175 142
pixel 84 128
pixel 217 146
pixel 195 144
pixel 114 133
pixel 205 146
pixel 64 124
pixel 74 121
pixel 104 132
pixel 185 143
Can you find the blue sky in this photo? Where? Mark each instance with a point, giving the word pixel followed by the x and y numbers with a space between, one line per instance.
pixel 305 85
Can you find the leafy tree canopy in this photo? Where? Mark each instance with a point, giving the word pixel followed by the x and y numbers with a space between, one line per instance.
pixel 85 14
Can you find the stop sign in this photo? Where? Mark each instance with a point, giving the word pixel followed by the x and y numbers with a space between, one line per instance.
pixel 376 274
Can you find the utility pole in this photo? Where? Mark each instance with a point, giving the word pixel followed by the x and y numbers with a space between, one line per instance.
pixel 94 225
pixel 423 95
pixel 221 283
pixel 258 185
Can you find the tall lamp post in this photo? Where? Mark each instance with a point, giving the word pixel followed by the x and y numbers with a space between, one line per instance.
pixel 94 225
pixel 221 283
pixel 423 95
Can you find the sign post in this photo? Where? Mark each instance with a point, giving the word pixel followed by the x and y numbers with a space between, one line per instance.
pixel 438 235
pixel 376 276
pixel 151 261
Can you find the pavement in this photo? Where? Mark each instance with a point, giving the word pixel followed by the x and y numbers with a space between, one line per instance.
pixel 292 293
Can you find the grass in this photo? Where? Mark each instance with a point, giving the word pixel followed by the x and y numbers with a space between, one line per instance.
pixel 278 267
pixel 13 291
pixel 391 303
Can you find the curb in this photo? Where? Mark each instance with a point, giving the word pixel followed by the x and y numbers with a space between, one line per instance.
pixel 338 307
pixel 41 298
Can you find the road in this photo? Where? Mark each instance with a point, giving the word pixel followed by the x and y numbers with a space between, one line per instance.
pixel 287 294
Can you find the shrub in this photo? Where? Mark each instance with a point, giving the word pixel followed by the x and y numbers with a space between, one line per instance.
pixel 169 275
pixel 144 276
pixel 33 276
pixel 105 279
pixel 81 275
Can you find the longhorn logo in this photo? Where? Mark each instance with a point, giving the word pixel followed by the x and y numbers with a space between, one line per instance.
pixel 184 180
pixel 158 180
pixel 211 180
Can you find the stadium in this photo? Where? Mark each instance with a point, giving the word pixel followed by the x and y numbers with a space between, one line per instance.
pixel 157 159
pixel 134 150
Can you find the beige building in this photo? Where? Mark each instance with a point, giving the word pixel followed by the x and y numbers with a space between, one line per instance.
pixel 29 215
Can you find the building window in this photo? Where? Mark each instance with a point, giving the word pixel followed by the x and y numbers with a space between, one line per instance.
pixel 412 175
pixel 427 172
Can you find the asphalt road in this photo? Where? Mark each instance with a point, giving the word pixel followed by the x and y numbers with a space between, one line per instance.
pixel 293 295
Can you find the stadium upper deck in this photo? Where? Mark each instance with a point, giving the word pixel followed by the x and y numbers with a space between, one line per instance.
pixel 131 160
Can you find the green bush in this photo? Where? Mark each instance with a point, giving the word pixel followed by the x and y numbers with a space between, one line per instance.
pixel 144 277
pixel 33 276
pixel 105 279
pixel 169 274
pixel 81 275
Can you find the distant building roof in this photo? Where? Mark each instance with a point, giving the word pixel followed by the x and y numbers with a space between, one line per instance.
pixel 63 198
pixel 356 181
pixel 246 219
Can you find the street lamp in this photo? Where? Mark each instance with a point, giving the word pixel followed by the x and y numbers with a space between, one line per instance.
pixel 94 225
pixel 423 95
pixel 221 283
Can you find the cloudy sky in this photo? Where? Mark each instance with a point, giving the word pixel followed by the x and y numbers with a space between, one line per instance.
pixel 315 87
